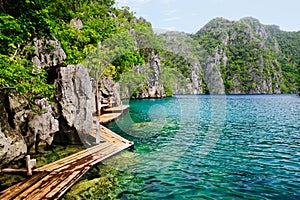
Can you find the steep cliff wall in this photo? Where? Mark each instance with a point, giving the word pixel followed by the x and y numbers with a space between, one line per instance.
pixel 12 143
pixel 245 54
pixel 183 55
pixel 68 120
pixel 75 102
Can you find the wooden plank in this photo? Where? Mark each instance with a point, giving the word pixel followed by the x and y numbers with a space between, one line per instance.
pixel 109 154
pixel 112 134
pixel 54 179
pixel 57 181
pixel 106 118
pixel 58 192
pixel 72 157
pixel 13 191
pixel 36 187
pixel 121 108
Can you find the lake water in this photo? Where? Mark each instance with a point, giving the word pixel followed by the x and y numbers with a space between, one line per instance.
pixel 213 147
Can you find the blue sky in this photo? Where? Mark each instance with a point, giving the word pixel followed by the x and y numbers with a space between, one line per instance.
pixel 190 15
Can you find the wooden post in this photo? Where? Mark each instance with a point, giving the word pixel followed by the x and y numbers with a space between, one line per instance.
pixel 98 112
pixel 97 132
pixel 97 97
pixel 30 164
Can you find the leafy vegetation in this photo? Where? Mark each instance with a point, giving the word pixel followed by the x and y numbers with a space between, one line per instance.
pixel 111 42
pixel 17 72
pixel 254 54
pixel 289 43
pixel 103 43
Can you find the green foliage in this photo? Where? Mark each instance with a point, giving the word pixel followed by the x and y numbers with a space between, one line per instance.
pixel 104 43
pixel 169 92
pixel 19 23
pixel 125 63
pixel 132 82
pixel 289 43
pixel 19 75
pixel 252 56
pixel 113 41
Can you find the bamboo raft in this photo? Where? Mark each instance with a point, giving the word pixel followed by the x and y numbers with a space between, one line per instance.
pixel 53 180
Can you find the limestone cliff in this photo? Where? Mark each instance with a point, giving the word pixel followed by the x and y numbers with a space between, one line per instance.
pixel 68 120
pixel 75 104
pixel 143 82
pixel 12 144
pixel 184 52
pixel 235 57
pixel 244 53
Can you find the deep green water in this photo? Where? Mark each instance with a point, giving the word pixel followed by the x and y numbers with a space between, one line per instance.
pixel 213 147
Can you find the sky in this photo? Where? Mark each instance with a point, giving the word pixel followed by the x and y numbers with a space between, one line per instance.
pixel 191 15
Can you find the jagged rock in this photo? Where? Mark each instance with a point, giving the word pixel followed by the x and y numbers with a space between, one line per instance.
pixel 49 53
pixel 34 124
pixel 76 23
pixel 241 41
pixel 212 75
pixel 213 79
pixel 183 47
pixel 43 126
pixel 109 92
pixel 12 144
pixel 156 89
pixel 76 101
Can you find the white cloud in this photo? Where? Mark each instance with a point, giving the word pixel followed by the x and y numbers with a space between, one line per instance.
pixel 171 19
pixel 166 1
pixel 170 12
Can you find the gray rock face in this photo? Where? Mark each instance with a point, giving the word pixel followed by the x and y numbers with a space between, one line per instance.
pixel 12 144
pixel 109 92
pixel 43 126
pixel 212 74
pixel 151 87
pixel 48 53
pixel 263 74
pixel 34 124
pixel 156 89
pixel 213 79
pixel 22 128
pixel 181 45
pixel 143 81
pixel 75 101
pixel 68 120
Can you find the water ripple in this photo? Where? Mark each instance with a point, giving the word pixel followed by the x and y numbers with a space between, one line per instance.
pixel 257 156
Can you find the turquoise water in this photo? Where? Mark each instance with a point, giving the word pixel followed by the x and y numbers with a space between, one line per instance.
pixel 213 147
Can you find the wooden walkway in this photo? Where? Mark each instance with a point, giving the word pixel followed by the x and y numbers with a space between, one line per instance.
pixel 111 114
pixel 53 180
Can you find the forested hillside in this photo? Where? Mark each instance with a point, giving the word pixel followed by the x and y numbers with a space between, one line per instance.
pixel 241 56
pixel 79 25
pixel 253 59
pixel 245 56
pixel 56 56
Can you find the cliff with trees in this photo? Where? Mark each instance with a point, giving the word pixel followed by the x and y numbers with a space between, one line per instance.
pixel 60 60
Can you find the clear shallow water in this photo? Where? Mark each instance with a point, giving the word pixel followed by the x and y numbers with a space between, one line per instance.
pixel 213 147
